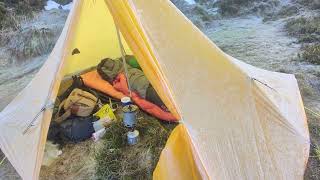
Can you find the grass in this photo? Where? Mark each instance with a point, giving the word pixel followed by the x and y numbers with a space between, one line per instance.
pixel 313 4
pixel 312 53
pixel 307 31
pixel 76 162
pixel 313 166
pixel 117 160
pixel 13 11
pixel 317 152
pixel 285 11
pixel 202 12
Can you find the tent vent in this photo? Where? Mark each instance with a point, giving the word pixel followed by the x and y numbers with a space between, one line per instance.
pixel 75 51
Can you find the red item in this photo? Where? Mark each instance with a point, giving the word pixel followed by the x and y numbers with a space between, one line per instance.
pixel 120 84
pixel 120 89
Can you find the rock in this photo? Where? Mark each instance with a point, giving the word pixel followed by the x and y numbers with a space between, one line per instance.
pixel 63 2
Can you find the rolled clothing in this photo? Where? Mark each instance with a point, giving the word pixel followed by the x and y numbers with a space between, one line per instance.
pixel 152 96
pixel 108 69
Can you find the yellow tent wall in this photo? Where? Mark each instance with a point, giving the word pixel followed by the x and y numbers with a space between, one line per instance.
pixel 94 36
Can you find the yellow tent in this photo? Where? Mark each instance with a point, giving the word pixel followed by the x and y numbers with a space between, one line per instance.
pixel 237 121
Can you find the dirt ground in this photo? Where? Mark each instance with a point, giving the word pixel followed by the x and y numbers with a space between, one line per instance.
pixel 76 162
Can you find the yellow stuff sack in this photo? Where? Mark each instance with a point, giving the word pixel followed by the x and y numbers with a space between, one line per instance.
pixel 105 111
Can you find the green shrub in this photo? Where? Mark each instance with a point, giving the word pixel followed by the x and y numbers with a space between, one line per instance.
pixel 309 38
pixel 13 11
pixel 3 13
pixel 287 11
pixel 295 26
pixel 232 7
pixel 312 53
pixel 7 18
pixel 306 30
pixel 202 12
pixel 314 4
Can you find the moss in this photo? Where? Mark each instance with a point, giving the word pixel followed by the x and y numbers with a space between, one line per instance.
pixel 117 160
pixel 312 54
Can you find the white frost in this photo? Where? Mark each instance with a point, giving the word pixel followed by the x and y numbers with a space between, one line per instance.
pixel 190 1
pixel 53 5
pixel 67 7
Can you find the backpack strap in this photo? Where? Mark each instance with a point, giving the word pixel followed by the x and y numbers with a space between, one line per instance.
pixel 77 82
pixel 59 119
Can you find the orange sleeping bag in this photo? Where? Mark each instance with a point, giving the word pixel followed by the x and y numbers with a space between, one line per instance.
pixel 120 83
pixel 120 89
pixel 93 80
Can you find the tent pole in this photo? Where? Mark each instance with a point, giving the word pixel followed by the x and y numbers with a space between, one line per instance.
pixel 1 162
pixel 123 54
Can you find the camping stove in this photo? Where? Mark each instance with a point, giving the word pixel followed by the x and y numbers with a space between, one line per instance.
pixel 129 121
pixel 133 137
pixel 129 115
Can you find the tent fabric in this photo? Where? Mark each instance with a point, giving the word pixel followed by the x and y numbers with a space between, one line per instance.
pixel 244 122
pixel 25 150
pixel 237 121
pixel 94 36
pixel 136 40
pixel 178 160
